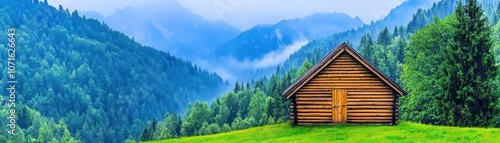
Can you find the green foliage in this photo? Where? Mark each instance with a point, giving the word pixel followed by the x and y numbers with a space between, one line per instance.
pixel 149 131
pixel 366 47
pixel 40 129
pixel 198 115
pixel 257 105
pixel 226 128
pixel 223 115
pixel 305 66
pixel 421 72
pixel 384 37
pixel 469 70
pixel 460 86
pixel 386 54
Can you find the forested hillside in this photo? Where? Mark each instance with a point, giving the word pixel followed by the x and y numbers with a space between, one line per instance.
pixel 76 74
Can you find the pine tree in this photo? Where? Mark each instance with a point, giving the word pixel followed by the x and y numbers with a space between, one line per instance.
pixel 305 66
pixel 366 47
pixel 384 38
pixel 469 70
pixel 396 32
pixel 236 87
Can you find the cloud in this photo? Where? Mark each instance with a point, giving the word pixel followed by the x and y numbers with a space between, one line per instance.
pixel 270 59
pixel 229 68
pixel 277 57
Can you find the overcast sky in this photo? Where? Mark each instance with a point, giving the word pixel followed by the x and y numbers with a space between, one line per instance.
pixel 245 14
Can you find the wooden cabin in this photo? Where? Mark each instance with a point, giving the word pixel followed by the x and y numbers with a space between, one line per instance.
pixel 343 87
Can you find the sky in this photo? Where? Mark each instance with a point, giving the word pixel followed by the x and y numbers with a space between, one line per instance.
pixel 245 14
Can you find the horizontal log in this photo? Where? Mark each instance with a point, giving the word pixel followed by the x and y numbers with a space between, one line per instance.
pixel 369 111
pixel 314 114
pixel 345 66
pixel 368 103
pixel 352 107
pixel 314 106
pixel 345 75
pixel 369 121
pixel 369 114
pixel 314 92
pixel 316 124
pixel 315 99
pixel 369 118
pixel 335 62
pixel 314 121
pixel 345 79
pixel 369 107
pixel 342 72
pixel 368 89
pixel 312 118
pixel 370 93
pixel 315 95
pixel 313 103
pixel 369 97
pixel 346 87
pixel 369 100
pixel 345 59
pixel 346 69
pixel 329 95
pixel 346 84
pixel 314 110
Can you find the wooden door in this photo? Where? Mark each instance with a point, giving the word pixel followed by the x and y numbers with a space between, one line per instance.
pixel 339 106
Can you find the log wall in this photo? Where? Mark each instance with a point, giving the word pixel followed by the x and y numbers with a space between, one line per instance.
pixel 369 99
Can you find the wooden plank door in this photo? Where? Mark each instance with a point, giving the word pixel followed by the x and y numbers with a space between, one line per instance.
pixel 339 106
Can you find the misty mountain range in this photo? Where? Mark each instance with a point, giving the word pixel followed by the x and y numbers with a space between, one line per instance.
pixel 222 48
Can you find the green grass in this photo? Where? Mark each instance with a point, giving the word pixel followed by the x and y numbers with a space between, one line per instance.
pixel 403 132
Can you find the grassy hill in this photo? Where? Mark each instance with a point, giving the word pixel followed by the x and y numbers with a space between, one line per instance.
pixel 405 131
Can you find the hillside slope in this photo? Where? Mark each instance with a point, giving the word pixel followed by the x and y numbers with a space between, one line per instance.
pixel 405 131
pixel 101 83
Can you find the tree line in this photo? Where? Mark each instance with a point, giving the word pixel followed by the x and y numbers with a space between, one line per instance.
pixel 250 104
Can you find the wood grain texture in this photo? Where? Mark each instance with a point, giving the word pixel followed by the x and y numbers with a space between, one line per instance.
pixel 345 91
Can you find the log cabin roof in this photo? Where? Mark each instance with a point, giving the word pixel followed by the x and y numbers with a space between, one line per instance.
pixel 302 80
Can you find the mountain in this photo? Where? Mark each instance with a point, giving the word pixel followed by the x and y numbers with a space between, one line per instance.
pixel 98 82
pixel 399 16
pixel 168 26
pixel 257 51
pixel 262 39
pixel 402 14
